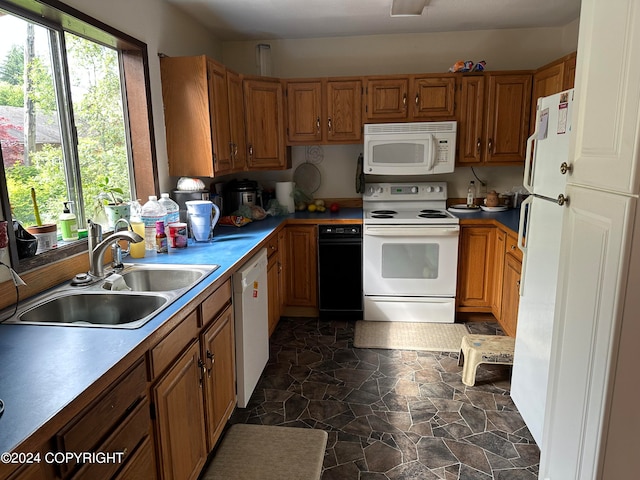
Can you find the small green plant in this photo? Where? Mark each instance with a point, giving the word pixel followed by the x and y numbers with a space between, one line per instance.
pixel 108 194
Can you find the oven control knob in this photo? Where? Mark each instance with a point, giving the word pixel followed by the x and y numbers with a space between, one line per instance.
pixel 438 188
pixel 414 189
pixel 429 189
pixel 379 189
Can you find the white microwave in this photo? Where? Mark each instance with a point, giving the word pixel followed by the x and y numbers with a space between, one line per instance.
pixel 416 148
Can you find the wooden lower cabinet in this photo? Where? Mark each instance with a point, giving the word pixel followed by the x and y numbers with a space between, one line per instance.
pixel 274 275
pixel 498 268
pixel 141 465
pixel 218 354
pixel 180 426
pixel 195 397
pixel 510 295
pixel 507 268
pixel 301 266
pixel 475 268
pixel 489 268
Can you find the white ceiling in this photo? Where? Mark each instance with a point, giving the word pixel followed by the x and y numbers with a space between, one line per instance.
pixel 280 19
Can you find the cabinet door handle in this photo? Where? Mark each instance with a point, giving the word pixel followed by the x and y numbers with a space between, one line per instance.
pixel 212 359
pixel 203 371
pixel 251 151
pixel 478 145
pixel 329 123
pixel 417 99
pixel 404 99
pixel 318 124
pixel 490 145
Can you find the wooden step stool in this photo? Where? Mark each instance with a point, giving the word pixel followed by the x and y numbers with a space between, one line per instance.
pixel 477 349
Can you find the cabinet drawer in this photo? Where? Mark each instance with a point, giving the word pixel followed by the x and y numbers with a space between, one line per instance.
pixel 104 415
pixel 272 245
pixel 163 354
pixel 215 302
pixel 141 464
pixel 125 439
pixel 511 247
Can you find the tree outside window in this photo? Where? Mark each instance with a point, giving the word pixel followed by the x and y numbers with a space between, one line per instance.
pixel 62 121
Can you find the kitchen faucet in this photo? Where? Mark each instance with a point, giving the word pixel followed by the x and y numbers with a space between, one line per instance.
pixel 97 246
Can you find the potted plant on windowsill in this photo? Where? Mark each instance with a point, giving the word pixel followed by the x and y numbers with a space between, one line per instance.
pixel 111 199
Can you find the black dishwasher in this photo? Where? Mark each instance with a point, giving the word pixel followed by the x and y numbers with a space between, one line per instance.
pixel 340 271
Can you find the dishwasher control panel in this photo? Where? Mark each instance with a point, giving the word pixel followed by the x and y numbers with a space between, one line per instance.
pixel 340 230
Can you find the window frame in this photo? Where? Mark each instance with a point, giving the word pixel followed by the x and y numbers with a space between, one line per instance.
pixel 134 64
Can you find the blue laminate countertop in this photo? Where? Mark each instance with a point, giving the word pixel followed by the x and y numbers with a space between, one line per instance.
pixel 44 368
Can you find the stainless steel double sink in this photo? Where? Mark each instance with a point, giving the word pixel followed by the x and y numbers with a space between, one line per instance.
pixel 146 291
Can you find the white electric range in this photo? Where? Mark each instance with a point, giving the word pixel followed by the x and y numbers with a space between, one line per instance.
pixel 410 250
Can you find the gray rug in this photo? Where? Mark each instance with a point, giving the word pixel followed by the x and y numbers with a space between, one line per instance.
pixel 261 452
pixel 430 337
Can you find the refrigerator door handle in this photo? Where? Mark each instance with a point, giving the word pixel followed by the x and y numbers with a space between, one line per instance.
pixel 528 158
pixel 525 213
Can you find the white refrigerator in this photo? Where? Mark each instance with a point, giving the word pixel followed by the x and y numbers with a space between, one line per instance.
pixel 541 217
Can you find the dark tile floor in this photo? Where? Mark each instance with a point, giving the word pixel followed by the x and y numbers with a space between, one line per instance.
pixel 392 414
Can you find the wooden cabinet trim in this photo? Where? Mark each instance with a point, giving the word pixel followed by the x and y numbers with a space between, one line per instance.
pixel 179 390
pixel 168 349
pixel 124 439
pixel 90 427
pixel 218 354
pixel 215 303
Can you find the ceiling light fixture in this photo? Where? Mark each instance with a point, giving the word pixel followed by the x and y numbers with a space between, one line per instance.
pixel 407 8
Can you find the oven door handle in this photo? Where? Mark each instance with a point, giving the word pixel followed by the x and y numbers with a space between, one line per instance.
pixel 399 231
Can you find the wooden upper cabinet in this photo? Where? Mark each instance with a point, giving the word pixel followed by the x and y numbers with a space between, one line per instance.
pixel 494 118
pixel 197 117
pixel 552 78
pixel 344 111
pixel 410 98
pixel 471 119
pixel 569 71
pixel 324 111
pixel 264 121
pixel 219 114
pixel 187 116
pixel 508 109
pixel 304 111
pixel 236 121
pixel 433 97
pixel 387 99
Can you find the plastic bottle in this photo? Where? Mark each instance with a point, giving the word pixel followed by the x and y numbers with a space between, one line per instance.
pixel 137 225
pixel 151 213
pixel 68 224
pixel 161 238
pixel 173 211
pixel 471 194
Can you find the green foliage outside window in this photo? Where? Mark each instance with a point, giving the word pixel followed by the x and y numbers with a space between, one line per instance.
pixel 94 78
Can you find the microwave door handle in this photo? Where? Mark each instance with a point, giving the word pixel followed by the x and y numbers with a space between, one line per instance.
pixel 432 152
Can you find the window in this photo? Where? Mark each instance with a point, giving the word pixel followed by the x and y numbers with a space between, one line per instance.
pixel 73 111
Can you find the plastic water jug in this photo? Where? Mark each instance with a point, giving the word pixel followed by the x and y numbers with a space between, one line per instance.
pixel 151 213
pixel 203 216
